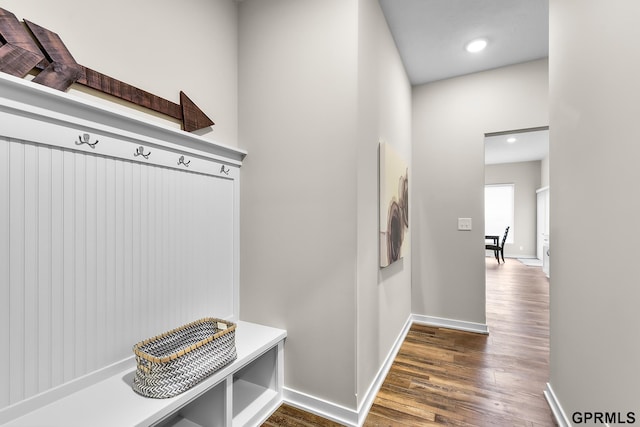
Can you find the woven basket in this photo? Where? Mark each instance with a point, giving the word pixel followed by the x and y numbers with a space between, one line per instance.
pixel 175 361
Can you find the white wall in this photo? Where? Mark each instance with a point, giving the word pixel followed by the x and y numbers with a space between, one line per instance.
pixel 594 176
pixel 526 179
pixel 298 121
pixel 320 84
pixel 159 46
pixel 384 100
pixel 544 176
pixel 450 119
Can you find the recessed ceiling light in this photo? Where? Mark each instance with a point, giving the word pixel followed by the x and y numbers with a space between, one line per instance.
pixel 476 45
pixel 511 140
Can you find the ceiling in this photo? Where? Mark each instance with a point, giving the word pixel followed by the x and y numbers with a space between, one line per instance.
pixel 528 146
pixel 431 36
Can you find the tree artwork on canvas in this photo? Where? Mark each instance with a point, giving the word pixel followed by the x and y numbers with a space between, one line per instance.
pixel 394 206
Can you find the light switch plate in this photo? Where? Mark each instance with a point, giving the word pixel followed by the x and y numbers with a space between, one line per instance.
pixel 464 224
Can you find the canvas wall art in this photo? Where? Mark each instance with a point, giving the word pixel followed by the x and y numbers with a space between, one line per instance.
pixel 394 206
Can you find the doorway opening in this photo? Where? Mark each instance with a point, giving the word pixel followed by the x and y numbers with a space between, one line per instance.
pixel 517 290
pixel 516 192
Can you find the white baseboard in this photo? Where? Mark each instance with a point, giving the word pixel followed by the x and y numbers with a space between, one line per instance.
pixel 341 414
pixel 352 418
pixel 460 325
pixel 556 408
pixel 355 418
pixel 321 407
pixel 372 392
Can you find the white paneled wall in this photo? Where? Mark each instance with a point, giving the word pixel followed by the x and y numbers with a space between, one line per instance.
pixel 98 253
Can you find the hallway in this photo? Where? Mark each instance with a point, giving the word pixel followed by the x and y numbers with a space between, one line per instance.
pixel 446 377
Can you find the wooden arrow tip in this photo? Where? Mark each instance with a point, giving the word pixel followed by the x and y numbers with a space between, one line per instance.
pixel 192 117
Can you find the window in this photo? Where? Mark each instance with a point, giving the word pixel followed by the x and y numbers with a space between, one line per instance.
pixel 498 210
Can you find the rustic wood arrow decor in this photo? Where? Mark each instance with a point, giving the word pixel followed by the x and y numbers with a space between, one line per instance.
pixel 62 70
pixel 20 54
pixel 28 47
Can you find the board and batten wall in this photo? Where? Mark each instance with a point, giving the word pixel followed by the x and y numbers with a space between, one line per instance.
pixel 100 253
pixel 450 119
pixel 100 246
pixel 84 292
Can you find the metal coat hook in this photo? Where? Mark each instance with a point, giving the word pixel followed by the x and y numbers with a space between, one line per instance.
pixel 222 170
pixel 140 152
pixel 182 162
pixel 84 139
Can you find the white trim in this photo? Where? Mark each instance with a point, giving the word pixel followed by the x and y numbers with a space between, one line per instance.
pixel 540 190
pixel 42 399
pixel 356 418
pixel 341 414
pixel 372 392
pixel 460 325
pixel 514 256
pixel 321 407
pixel 24 98
pixel 556 408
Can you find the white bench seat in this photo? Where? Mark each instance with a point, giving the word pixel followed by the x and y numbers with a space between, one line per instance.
pixel 244 392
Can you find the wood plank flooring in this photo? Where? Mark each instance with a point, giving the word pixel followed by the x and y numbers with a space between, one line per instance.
pixel 446 377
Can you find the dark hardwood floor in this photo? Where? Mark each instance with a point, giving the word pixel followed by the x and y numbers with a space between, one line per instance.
pixel 446 377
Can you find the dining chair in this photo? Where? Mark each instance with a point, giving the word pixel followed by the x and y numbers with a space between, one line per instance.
pixel 498 249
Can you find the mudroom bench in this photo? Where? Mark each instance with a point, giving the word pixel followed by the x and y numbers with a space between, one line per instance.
pixel 118 227
pixel 243 393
